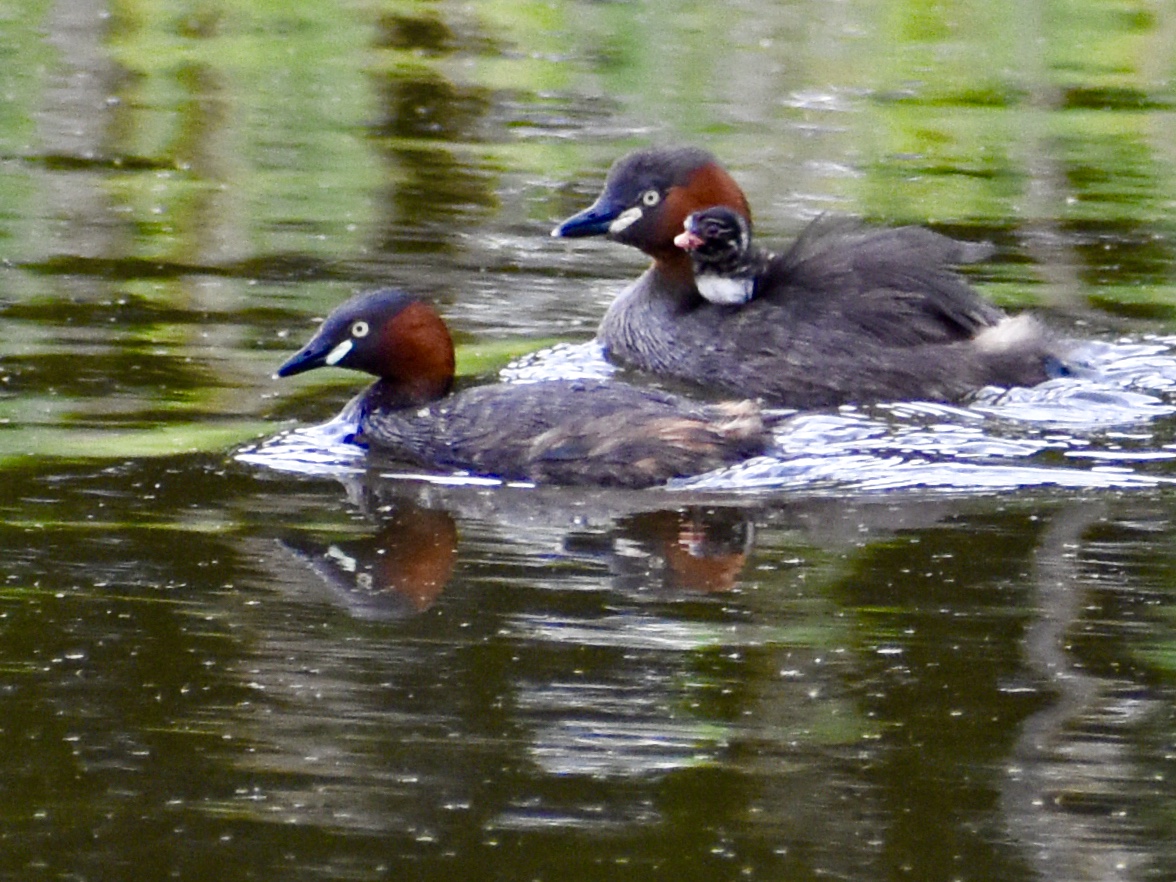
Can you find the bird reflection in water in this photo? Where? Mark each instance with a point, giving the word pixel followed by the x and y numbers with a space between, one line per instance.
pixel 709 554
pixel 697 549
pixel 399 571
pixel 402 569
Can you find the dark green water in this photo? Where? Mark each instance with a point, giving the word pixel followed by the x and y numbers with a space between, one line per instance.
pixel 920 643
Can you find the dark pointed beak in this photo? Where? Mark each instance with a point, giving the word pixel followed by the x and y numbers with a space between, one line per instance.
pixel 592 221
pixel 312 355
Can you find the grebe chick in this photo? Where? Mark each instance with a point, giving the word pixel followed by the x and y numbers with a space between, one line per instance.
pixel 727 264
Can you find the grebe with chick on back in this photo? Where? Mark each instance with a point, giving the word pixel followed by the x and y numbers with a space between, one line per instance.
pixel 846 315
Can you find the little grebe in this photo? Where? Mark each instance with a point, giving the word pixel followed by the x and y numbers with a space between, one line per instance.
pixel 845 315
pixel 564 431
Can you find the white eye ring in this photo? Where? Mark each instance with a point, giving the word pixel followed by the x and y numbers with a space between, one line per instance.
pixel 650 198
pixel 360 329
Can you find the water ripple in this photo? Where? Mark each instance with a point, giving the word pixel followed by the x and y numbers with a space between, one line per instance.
pixel 564 361
pixel 324 450
pixel 635 632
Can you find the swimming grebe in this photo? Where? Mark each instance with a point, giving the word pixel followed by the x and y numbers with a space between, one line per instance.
pixel 565 431
pixel 845 315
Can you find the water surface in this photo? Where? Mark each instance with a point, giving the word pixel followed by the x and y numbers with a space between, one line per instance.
pixel 915 641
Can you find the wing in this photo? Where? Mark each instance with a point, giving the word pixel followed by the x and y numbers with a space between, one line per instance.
pixel 571 432
pixel 897 286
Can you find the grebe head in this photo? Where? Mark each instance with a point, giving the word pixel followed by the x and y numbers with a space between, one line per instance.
pixel 389 334
pixel 648 195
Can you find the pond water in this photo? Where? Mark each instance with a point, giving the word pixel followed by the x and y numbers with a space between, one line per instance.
pixel 915 641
